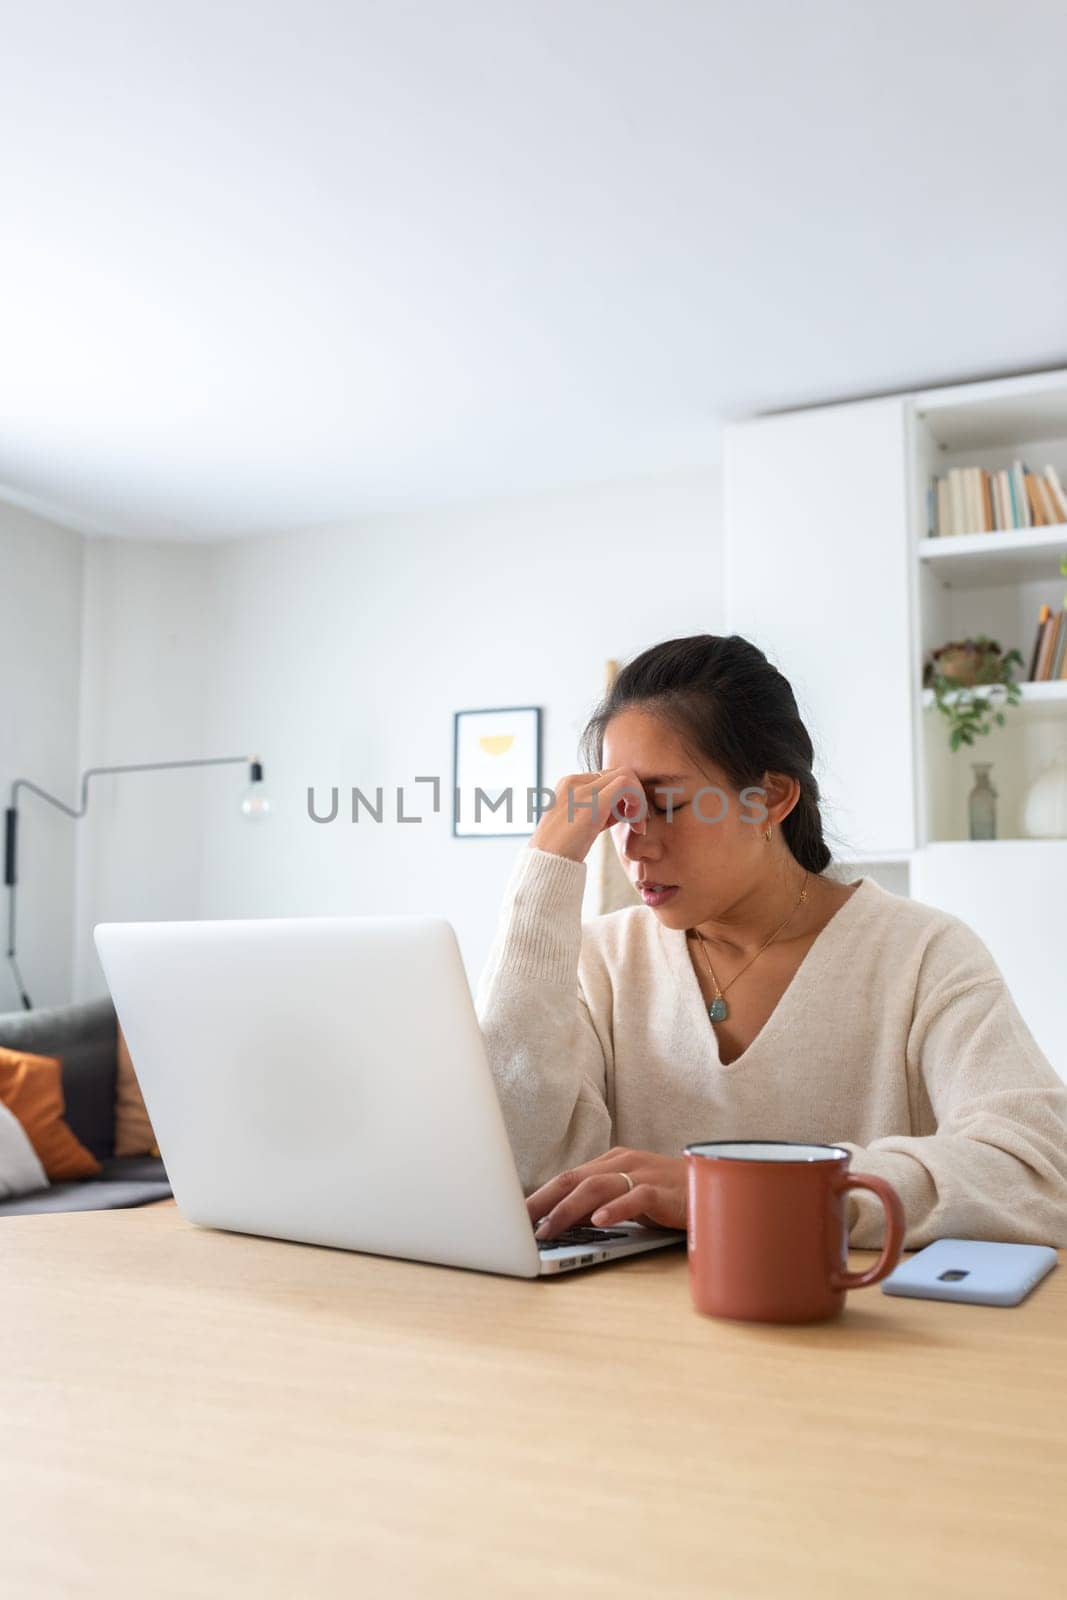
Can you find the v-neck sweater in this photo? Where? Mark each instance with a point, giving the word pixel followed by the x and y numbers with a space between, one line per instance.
pixel 896 1038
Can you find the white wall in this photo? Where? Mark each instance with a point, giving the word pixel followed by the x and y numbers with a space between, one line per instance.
pixel 146 674
pixel 339 656
pixel 40 657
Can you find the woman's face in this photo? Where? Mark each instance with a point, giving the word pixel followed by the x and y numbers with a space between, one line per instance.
pixel 696 840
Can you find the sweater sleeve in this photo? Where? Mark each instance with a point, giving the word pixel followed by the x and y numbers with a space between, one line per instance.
pixel 996 1168
pixel 545 1053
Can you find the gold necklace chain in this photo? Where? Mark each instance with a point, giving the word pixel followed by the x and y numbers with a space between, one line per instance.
pixel 718 1010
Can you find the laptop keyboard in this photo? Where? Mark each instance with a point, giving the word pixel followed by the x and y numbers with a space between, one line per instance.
pixel 573 1236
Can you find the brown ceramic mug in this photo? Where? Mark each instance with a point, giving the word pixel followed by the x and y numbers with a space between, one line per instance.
pixel 768 1229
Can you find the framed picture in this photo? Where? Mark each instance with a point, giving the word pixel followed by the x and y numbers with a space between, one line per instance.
pixel 496 759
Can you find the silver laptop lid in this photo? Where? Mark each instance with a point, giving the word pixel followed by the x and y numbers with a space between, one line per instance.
pixel 322 1079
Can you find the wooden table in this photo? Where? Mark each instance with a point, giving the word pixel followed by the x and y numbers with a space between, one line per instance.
pixel 192 1413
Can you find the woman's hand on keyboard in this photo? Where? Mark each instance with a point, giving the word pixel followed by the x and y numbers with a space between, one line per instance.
pixel 595 1192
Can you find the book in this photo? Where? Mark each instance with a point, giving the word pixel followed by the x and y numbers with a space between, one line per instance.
pixel 1042 624
pixel 944 521
pixel 1059 499
pixel 1059 655
pixel 1022 504
pixel 955 491
pixel 1008 508
pixel 1015 522
pixel 974 480
pixel 1059 628
pixel 1048 647
pixel 1049 509
pixel 989 521
pixel 1037 519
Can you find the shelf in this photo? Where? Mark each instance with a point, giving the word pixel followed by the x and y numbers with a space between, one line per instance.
pixel 983 560
pixel 892 858
pixel 1037 697
pixel 1056 848
pixel 877 858
pixel 992 844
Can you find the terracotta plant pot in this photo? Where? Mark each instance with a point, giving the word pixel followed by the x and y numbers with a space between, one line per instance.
pixel 967 664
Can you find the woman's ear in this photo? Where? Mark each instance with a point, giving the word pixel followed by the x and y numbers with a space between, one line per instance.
pixel 780 795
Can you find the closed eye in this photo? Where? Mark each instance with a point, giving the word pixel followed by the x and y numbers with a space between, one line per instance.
pixel 662 810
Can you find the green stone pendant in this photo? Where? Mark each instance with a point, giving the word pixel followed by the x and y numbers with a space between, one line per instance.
pixel 717 1009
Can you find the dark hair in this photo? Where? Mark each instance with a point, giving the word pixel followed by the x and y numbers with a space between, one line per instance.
pixel 730 704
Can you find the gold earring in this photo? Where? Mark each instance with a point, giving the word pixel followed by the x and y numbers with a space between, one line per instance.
pixel 767 836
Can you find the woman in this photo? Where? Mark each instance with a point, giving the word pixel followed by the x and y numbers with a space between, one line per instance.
pixel 751 996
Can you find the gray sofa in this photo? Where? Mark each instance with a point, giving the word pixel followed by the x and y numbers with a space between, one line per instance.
pixel 85 1038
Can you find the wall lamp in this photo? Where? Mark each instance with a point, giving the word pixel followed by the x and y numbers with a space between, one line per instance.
pixel 254 804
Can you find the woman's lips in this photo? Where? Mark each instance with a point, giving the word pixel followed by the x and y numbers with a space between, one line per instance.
pixel 657 894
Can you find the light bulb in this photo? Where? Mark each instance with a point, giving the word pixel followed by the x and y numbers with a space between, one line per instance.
pixel 255 802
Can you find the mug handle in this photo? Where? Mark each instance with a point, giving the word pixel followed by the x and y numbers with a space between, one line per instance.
pixel 896 1226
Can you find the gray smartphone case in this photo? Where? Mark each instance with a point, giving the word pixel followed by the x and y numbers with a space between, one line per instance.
pixel 978 1271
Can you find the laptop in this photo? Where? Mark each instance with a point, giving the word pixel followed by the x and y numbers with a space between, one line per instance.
pixel 325 1080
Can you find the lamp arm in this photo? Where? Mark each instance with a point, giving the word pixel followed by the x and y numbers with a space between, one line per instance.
pixel 12 814
pixel 161 766
pixel 53 800
pixel 137 766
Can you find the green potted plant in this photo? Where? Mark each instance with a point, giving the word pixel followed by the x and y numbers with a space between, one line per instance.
pixel 972 680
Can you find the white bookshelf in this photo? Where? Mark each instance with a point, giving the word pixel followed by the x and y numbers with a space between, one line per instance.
pixel 992 583
pixel 830 567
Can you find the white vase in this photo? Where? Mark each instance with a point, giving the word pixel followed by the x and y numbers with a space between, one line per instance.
pixel 1045 806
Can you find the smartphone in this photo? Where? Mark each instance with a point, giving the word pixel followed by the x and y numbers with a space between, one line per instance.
pixel 975 1270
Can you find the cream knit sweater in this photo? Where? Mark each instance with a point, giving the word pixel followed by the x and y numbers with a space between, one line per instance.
pixel 896 1038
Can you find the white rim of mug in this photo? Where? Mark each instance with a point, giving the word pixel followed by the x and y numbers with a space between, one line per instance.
pixel 711 1150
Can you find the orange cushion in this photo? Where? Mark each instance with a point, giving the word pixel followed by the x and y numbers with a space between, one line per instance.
pixel 133 1131
pixel 32 1088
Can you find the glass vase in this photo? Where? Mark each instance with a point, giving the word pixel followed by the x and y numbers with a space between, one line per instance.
pixel 982 803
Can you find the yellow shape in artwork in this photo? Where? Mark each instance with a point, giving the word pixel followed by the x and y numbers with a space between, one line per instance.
pixel 496 744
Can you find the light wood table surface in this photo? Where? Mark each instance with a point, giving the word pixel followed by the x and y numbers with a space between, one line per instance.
pixel 185 1412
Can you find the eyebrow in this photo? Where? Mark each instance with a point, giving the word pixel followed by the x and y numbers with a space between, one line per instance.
pixel 668 777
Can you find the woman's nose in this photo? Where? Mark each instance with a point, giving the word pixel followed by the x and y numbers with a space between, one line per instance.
pixel 637 841
pixel 635 844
